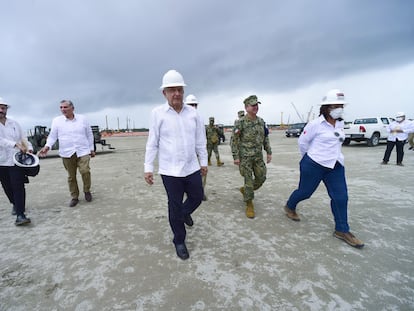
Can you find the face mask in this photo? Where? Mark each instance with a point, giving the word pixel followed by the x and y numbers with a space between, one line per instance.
pixel 337 113
pixel 398 119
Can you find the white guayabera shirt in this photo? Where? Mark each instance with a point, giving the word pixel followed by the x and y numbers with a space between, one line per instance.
pixel 179 139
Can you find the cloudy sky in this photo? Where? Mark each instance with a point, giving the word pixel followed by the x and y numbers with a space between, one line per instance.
pixel 109 56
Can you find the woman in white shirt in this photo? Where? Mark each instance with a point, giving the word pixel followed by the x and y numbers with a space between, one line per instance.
pixel 13 177
pixel 320 145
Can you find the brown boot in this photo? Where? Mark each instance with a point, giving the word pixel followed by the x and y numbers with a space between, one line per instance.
pixel 290 213
pixel 249 209
pixel 219 163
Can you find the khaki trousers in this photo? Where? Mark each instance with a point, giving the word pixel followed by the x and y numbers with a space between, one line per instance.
pixel 71 165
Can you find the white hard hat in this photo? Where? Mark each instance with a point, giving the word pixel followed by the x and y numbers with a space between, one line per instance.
pixel 334 97
pixel 2 102
pixel 191 99
pixel 172 78
pixel 25 159
pixel 400 114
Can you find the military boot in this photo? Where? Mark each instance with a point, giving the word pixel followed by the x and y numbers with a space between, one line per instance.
pixel 249 209
pixel 219 163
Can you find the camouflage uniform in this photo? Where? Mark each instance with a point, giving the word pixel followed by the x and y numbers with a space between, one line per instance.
pixel 240 115
pixel 249 136
pixel 213 136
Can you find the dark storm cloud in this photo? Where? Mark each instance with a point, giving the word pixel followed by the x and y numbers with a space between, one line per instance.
pixel 114 53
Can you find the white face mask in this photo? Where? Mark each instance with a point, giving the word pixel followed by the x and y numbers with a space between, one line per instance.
pixel 337 113
pixel 399 119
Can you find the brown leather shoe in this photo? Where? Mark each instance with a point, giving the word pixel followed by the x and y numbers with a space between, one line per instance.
pixel 73 202
pixel 349 238
pixel 88 196
pixel 291 214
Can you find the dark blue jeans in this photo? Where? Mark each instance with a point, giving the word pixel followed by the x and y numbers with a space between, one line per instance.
pixel 311 174
pixel 175 187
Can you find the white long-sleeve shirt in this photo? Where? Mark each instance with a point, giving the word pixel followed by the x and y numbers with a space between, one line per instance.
pixel 323 142
pixel 179 140
pixel 406 126
pixel 75 136
pixel 10 134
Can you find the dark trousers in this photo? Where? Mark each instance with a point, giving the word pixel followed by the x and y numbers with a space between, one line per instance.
pixel 177 209
pixel 311 174
pixel 400 150
pixel 12 179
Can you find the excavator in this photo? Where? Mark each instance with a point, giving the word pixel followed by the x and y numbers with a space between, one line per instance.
pixel 38 138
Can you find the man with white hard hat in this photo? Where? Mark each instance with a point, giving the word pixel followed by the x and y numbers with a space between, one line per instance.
pixel 16 163
pixel 398 133
pixel 180 155
pixel 192 101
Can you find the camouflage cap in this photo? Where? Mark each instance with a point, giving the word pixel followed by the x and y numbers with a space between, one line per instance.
pixel 211 118
pixel 240 113
pixel 251 100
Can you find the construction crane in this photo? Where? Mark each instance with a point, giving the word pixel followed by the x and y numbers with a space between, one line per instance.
pixel 309 113
pixel 297 112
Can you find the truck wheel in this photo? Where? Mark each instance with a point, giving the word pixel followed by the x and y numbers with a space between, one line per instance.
pixel 346 142
pixel 374 140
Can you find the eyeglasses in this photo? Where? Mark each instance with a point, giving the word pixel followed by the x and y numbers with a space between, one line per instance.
pixel 341 139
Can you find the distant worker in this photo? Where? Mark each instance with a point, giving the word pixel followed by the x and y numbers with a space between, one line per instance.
pixel 75 148
pixel 213 136
pixel 240 115
pixel 178 137
pixel 398 133
pixel 192 101
pixel 411 139
pixel 322 160
pixel 250 135
pixel 13 176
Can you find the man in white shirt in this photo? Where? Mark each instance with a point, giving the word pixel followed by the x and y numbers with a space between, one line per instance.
pixel 398 133
pixel 75 148
pixel 177 136
pixel 192 101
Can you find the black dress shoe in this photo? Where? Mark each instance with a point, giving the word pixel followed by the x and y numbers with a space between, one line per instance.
pixel 22 220
pixel 88 196
pixel 182 251
pixel 188 220
pixel 73 202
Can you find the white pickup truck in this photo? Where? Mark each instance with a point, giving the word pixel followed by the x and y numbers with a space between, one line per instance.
pixel 370 130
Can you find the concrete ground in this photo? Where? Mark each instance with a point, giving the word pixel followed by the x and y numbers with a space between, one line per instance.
pixel 115 253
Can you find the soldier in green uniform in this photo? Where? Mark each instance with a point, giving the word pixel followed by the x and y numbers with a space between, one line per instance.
pixel 213 134
pixel 240 115
pixel 250 135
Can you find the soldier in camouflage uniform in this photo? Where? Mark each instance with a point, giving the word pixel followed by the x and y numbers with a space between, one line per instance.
pixel 240 115
pixel 249 136
pixel 213 136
